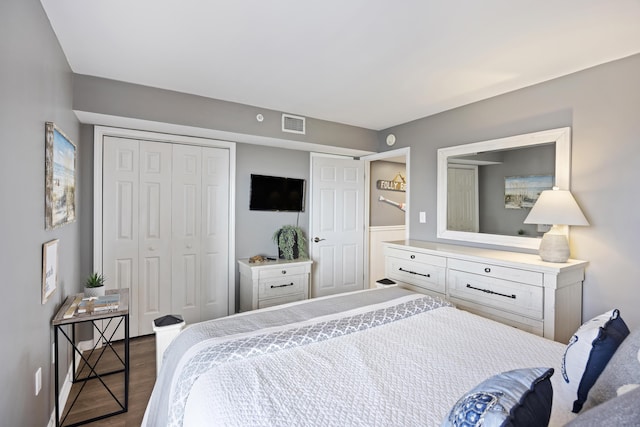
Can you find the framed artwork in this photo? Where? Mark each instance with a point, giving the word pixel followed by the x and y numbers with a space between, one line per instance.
pixel 49 269
pixel 522 191
pixel 60 178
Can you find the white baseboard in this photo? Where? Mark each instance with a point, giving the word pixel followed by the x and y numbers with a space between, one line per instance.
pixel 66 385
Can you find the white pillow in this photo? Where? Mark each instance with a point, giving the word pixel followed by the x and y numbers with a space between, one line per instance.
pixel 588 352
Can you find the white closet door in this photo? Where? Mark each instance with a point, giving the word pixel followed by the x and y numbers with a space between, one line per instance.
pixel 120 225
pixel 215 233
pixel 462 198
pixel 186 222
pixel 154 287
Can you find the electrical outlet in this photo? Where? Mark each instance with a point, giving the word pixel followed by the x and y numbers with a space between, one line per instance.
pixel 423 217
pixel 38 381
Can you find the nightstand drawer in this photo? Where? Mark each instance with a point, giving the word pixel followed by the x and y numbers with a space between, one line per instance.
pixel 279 286
pixel 280 300
pixel 518 298
pixel 285 270
pixel 505 273
pixel 427 276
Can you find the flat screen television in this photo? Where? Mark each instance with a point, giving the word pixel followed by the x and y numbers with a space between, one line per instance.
pixel 274 193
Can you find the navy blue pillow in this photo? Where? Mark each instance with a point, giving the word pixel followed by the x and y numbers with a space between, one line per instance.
pixel 589 351
pixel 516 398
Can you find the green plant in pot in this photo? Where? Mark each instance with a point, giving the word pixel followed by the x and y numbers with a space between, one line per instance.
pixel 94 286
pixel 291 242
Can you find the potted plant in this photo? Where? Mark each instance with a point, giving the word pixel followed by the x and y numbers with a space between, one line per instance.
pixel 291 242
pixel 94 286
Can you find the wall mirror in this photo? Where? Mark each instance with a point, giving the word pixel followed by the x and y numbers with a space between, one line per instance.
pixel 486 189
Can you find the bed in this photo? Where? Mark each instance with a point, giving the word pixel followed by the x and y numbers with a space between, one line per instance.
pixel 387 357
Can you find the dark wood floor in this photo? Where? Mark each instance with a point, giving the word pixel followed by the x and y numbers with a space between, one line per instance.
pixel 95 400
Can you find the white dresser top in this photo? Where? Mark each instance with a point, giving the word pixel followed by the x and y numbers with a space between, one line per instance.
pixel 498 257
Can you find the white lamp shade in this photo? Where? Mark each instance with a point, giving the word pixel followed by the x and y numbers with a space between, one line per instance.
pixel 556 207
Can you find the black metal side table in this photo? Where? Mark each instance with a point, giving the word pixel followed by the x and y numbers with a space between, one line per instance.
pixel 110 326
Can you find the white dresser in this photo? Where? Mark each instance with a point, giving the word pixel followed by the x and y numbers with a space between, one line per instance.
pixel 271 283
pixel 513 288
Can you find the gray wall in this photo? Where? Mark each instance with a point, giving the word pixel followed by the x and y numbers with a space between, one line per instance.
pixel 110 97
pixel 254 229
pixel 381 213
pixel 601 105
pixel 35 83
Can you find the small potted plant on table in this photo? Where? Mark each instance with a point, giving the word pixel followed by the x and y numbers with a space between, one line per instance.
pixel 94 286
pixel 291 242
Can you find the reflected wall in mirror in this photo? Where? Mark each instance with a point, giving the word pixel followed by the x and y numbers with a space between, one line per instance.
pixel 472 204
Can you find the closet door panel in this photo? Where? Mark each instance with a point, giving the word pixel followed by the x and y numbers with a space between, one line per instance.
pixel 120 226
pixel 215 235
pixel 186 218
pixel 155 234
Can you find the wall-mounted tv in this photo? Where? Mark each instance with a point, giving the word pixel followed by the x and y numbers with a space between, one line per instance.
pixel 274 193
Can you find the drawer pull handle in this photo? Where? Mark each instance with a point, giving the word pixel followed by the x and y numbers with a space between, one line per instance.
pixel 284 271
pixel 282 286
pixel 487 270
pixel 413 272
pixel 489 291
pixel 412 257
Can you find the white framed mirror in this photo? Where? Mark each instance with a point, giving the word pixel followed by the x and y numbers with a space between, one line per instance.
pixel 475 202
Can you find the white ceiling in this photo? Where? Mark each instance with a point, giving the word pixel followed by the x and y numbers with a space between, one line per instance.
pixel 369 63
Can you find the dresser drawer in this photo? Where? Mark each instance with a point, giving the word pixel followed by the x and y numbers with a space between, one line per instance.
pixel 286 270
pixel 416 257
pixel 282 285
pixel 505 273
pixel 427 276
pixel 514 297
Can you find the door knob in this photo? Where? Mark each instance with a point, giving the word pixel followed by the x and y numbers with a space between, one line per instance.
pixel 317 239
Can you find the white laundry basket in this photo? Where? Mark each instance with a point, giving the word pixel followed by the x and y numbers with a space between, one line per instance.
pixel 166 328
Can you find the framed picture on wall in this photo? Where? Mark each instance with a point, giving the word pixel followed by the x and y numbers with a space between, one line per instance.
pixel 60 178
pixel 521 192
pixel 49 269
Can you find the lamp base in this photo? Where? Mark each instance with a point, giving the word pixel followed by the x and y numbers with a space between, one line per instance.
pixel 554 247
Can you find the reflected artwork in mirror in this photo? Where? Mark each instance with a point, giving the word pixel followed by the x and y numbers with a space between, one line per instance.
pixel 477 184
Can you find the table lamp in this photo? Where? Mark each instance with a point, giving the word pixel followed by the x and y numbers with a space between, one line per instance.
pixel 555 207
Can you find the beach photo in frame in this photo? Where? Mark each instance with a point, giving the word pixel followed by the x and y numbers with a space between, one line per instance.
pixel 49 269
pixel 522 191
pixel 60 178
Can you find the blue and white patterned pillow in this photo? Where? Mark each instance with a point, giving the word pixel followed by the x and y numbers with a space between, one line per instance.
pixel 589 351
pixel 516 398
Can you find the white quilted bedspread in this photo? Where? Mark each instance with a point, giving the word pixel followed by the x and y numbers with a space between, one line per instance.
pixel 406 373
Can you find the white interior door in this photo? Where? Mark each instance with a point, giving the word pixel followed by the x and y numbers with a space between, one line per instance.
pixel 336 235
pixel 462 198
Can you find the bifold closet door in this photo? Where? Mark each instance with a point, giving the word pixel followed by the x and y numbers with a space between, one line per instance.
pixel 215 233
pixel 166 229
pixel 154 248
pixel 200 182
pixel 137 226
pixel 120 225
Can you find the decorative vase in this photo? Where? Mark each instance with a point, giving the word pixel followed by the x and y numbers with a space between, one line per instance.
pixel 94 292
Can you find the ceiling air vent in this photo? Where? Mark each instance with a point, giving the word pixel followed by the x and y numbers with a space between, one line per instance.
pixel 293 124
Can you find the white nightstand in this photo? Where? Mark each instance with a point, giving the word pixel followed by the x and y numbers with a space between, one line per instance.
pixel 271 283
